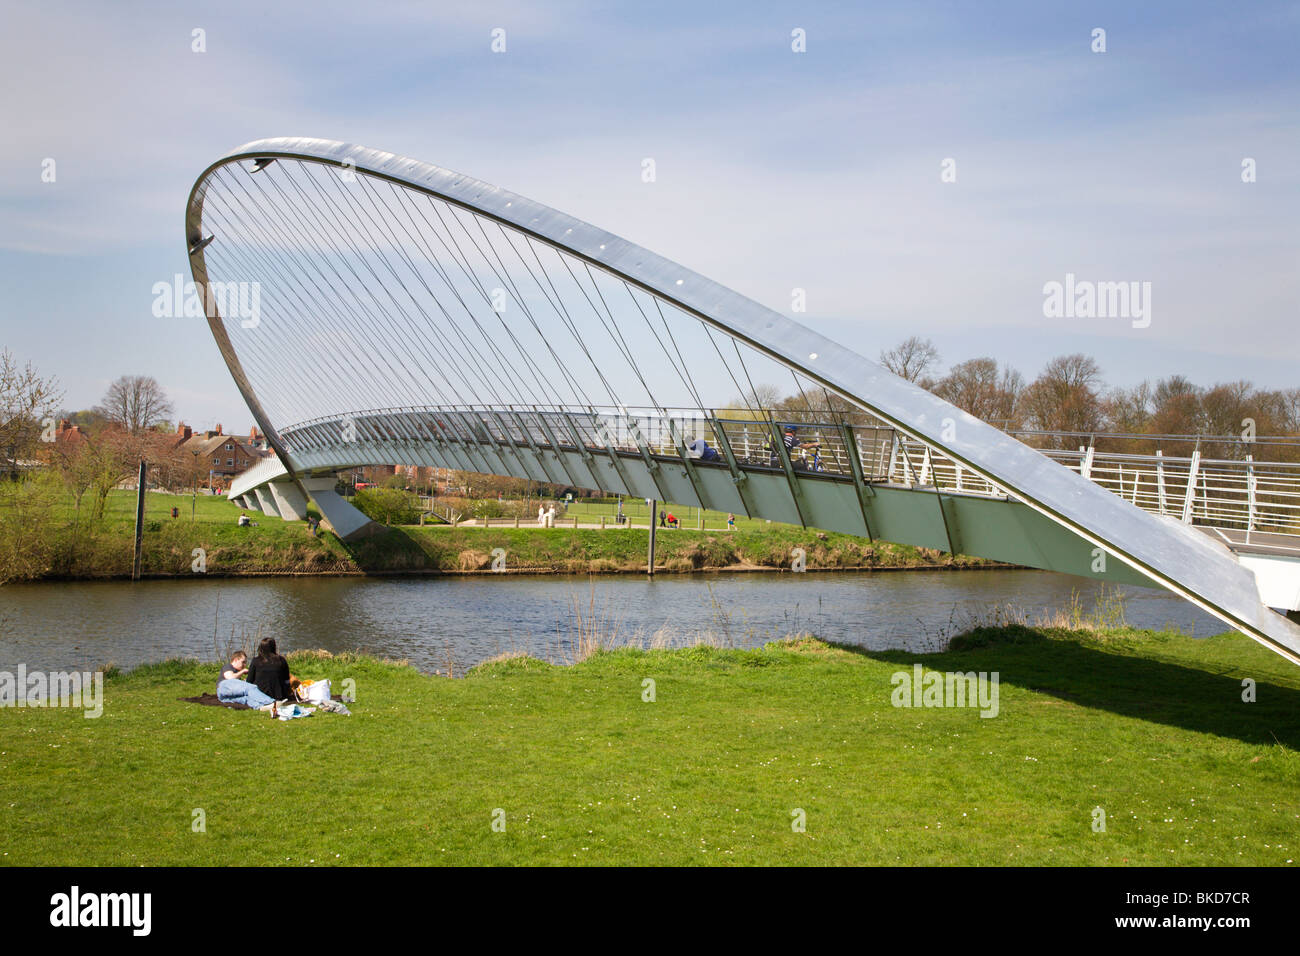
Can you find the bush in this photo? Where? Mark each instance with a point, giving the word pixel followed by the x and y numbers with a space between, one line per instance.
pixel 388 505
pixel 27 526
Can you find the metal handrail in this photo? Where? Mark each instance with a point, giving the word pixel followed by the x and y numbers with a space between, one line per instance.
pixel 1254 495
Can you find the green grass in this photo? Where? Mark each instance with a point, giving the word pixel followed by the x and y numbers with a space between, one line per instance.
pixel 1150 727
pixel 103 547
pixel 85 548
pixel 589 550
pixel 638 513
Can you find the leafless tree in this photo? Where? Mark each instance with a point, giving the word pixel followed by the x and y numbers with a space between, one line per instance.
pixel 979 387
pixel 26 400
pixel 1064 397
pixel 1178 408
pixel 136 402
pixel 758 399
pixel 1128 410
pixel 911 358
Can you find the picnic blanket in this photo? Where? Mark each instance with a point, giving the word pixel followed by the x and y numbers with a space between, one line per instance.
pixel 334 705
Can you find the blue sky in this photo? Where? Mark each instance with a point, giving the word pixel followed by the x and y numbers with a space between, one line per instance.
pixel 776 170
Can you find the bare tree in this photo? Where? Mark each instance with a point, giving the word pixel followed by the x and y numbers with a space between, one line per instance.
pixel 1178 409
pixel 977 386
pixel 1290 411
pixel 911 358
pixel 1064 397
pixel 26 400
pixel 756 401
pixel 1128 410
pixel 136 402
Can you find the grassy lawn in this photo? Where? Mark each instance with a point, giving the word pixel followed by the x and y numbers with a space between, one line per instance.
pixel 103 547
pixel 1149 727
pixel 590 550
pixel 639 514
pixel 79 547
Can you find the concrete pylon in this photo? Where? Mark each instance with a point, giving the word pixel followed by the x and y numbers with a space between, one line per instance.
pixel 266 502
pixel 289 501
pixel 346 520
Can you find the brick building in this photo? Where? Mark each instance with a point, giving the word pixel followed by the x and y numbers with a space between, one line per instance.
pixel 219 455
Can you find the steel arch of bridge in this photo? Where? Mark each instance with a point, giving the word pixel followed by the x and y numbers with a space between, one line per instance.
pixel 1160 552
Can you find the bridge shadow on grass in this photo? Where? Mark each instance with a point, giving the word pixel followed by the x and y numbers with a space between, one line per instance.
pixel 1077 670
pixel 387 550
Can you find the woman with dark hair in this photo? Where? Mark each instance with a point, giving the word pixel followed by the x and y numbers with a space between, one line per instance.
pixel 270 672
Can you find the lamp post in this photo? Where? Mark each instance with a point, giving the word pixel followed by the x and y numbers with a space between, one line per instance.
pixel 194 501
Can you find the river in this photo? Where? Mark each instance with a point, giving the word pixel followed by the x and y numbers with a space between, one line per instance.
pixel 454 622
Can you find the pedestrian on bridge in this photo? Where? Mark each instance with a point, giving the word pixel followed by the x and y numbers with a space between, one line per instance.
pixel 793 444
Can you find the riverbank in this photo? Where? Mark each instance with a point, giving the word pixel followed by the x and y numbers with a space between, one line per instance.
pixel 212 544
pixel 792 753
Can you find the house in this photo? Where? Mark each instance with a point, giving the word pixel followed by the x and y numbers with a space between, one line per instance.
pixel 220 455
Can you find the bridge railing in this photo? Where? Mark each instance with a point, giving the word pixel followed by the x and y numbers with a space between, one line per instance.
pixel 1231 492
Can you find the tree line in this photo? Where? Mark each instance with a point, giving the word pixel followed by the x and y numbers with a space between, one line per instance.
pixel 131 422
pixel 1071 395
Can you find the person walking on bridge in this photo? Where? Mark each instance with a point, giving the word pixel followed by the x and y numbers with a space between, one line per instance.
pixel 793 444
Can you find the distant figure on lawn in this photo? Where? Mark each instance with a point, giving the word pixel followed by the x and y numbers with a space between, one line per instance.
pixel 232 689
pixel 550 517
pixel 243 520
pixel 731 522
pixel 541 516
pixel 270 672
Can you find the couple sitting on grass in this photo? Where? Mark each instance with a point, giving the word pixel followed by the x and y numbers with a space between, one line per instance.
pixel 267 687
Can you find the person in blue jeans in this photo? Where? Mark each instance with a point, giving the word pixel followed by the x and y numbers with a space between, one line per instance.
pixel 232 689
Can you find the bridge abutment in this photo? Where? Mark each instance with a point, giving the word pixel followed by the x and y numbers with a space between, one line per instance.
pixel 289 501
pixel 346 520
pixel 265 502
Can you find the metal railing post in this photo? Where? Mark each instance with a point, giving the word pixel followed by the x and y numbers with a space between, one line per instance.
pixel 1160 478
pixel 1190 498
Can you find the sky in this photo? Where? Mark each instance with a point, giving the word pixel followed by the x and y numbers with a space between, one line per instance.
pixel 821 170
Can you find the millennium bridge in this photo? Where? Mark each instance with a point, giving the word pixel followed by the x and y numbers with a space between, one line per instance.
pixel 375 309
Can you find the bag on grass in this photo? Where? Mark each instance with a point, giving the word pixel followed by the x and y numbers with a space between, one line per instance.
pixel 316 691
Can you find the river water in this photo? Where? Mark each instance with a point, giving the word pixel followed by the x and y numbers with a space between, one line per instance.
pixel 442 622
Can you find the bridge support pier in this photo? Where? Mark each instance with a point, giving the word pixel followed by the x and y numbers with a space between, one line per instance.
pixel 289 501
pixel 265 502
pixel 346 520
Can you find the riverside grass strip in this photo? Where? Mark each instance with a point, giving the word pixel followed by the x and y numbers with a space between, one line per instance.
pixel 582 769
pixel 102 548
